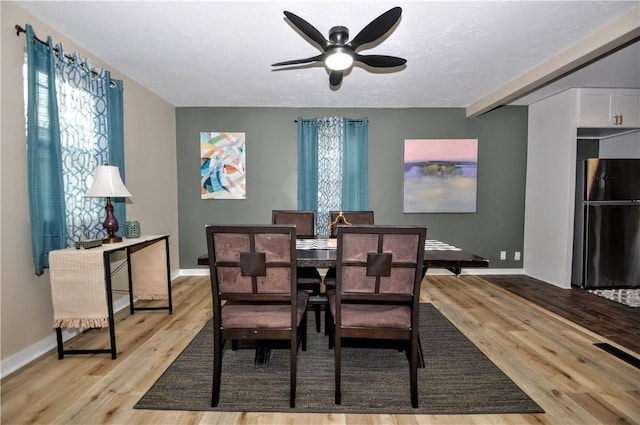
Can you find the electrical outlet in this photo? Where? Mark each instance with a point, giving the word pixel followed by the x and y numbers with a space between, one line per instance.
pixel 503 255
pixel 516 256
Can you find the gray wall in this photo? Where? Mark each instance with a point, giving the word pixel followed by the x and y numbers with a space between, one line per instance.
pixel 271 154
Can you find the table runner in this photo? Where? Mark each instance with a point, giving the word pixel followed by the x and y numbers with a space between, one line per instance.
pixel 429 245
pixel 149 271
pixel 78 291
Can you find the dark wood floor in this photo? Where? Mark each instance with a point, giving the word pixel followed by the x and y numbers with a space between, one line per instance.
pixel 615 321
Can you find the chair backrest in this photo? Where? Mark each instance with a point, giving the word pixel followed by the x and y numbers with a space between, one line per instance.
pixel 351 217
pixel 380 263
pixel 252 263
pixel 305 221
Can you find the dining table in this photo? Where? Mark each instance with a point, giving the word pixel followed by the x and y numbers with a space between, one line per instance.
pixel 321 253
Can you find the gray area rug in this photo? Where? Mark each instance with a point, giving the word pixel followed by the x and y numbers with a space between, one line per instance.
pixel 457 379
pixel 628 297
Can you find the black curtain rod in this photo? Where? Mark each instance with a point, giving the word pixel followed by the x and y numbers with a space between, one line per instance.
pixel 350 120
pixel 19 30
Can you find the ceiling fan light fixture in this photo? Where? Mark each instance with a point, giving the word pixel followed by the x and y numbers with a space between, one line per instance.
pixel 338 60
pixel 338 53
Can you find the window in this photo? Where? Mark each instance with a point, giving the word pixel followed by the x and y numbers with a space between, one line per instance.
pixel 74 123
pixel 332 166
pixel 83 145
pixel 330 141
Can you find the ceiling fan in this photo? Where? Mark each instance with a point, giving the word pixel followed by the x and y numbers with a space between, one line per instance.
pixel 338 54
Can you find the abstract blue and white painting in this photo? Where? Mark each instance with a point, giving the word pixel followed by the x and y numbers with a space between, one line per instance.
pixel 222 165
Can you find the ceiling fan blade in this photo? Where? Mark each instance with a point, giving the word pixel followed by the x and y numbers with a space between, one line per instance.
pixel 317 58
pixel 380 61
pixel 308 29
pixel 335 78
pixel 377 28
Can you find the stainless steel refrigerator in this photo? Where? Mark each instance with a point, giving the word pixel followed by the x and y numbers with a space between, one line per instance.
pixel 611 257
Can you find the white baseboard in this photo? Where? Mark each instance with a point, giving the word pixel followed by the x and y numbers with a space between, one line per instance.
pixel 195 272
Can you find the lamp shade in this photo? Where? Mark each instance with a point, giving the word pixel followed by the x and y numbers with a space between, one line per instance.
pixel 107 184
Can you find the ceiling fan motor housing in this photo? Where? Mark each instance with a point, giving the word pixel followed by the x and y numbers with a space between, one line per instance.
pixel 339 35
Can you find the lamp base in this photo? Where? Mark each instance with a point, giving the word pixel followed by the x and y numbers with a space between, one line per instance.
pixel 110 224
pixel 112 239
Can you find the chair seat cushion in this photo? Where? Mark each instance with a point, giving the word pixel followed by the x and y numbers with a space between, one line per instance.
pixel 239 315
pixel 371 315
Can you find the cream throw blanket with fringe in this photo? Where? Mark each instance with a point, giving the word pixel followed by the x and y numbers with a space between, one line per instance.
pixel 78 287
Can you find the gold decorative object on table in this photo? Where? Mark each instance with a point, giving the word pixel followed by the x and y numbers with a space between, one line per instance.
pixel 340 219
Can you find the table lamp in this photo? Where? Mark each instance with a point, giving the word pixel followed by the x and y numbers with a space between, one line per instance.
pixel 108 184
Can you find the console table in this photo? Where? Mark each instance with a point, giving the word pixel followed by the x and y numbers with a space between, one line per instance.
pixel 81 288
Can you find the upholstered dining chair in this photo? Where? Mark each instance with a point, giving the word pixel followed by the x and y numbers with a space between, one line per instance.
pixel 309 278
pixel 254 290
pixel 377 293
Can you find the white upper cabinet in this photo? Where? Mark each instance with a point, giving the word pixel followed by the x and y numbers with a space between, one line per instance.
pixel 606 108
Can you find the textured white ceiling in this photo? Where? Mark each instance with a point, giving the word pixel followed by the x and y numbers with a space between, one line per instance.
pixel 219 53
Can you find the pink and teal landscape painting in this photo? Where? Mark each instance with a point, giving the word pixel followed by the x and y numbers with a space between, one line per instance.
pixel 440 175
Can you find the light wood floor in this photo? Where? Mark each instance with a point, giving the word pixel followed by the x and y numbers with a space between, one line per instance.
pixel 553 360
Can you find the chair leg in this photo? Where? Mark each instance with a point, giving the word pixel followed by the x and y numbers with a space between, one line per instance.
pixel 303 336
pixel 327 319
pixel 317 308
pixel 327 314
pixel 217 368
pixel 329 326
pixel 338 355
pixel 293 369
pixel 414 375
pixel 421 364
